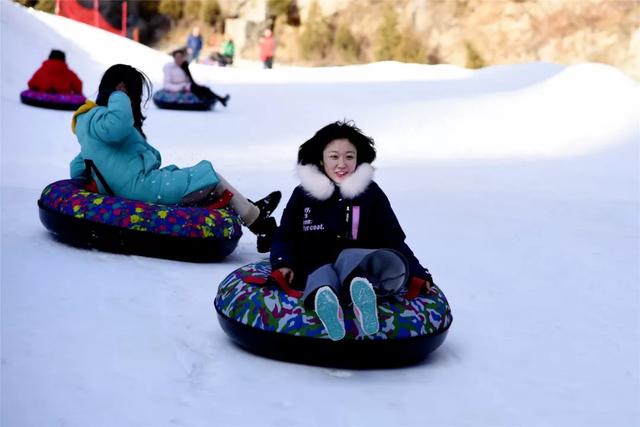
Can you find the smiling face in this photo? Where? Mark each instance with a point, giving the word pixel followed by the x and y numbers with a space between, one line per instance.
pixel 339 159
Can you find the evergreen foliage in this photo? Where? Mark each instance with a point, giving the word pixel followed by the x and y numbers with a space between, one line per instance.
pixel 316 38
pixel 387 37
pixel 285 11
pixel 346 44
pixel 172 8
pixel 410 48
pixel 46 6
pixel 43 5
pixel 277 8
pixel 391 44
pixel 474 60
pixel 148 8
pixel 211 13
pixel 191 9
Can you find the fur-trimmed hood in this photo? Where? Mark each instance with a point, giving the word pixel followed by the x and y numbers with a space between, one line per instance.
pixel 318 185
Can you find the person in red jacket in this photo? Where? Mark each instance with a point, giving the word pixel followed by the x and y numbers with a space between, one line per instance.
pixel 267 48
pixel 54 76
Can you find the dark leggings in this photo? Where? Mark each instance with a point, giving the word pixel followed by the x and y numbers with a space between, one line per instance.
pixel 204 93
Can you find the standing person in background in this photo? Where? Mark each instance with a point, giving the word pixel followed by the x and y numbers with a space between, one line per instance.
pixel 194 44
pixel 54 76
pixel 213 41
pixel 267 48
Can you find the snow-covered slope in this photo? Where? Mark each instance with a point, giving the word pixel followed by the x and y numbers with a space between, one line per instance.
pixel 517 185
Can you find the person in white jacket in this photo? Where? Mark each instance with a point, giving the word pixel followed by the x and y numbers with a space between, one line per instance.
pixel 177 78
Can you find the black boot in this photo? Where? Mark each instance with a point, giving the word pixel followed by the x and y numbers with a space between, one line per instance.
pixel 264 228
pixel 268 204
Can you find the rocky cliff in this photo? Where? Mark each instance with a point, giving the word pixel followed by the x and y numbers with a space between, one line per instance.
pixel 497 31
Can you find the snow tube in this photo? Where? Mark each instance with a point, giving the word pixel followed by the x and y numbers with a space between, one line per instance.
pixel 81 217
pixel 55 101
pixel 180 101
pixel 267 321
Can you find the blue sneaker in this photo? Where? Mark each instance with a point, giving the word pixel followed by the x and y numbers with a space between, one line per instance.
pixel 365 305
pixel 330 313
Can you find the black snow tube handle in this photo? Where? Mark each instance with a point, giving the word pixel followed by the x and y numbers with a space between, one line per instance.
pixel 90 166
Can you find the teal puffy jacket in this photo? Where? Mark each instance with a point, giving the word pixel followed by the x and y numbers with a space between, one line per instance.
pixel 128 163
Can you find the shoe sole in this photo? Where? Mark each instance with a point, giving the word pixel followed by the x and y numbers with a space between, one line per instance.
pixel 365 305
pixel 330 313
pixel 274 204
pixel 271 206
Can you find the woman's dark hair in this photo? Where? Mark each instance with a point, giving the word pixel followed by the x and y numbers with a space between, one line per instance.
pixel 57 54
pixel 311 151
pixel 135 82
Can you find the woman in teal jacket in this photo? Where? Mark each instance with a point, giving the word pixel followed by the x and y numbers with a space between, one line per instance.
pixel 110 135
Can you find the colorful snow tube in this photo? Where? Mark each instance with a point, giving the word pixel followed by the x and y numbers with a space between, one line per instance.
pixel 115 224
pixel 267 321
pixel 55 101
pixel 180 101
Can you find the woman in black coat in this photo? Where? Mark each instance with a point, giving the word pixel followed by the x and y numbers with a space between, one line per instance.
pixel 339 237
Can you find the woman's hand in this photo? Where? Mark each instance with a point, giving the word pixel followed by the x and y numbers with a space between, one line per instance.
pixel 287 273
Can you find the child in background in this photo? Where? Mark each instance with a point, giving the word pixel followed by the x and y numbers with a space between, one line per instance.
pixel 54 76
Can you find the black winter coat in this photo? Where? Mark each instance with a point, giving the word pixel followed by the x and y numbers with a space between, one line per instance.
pixel 321 219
